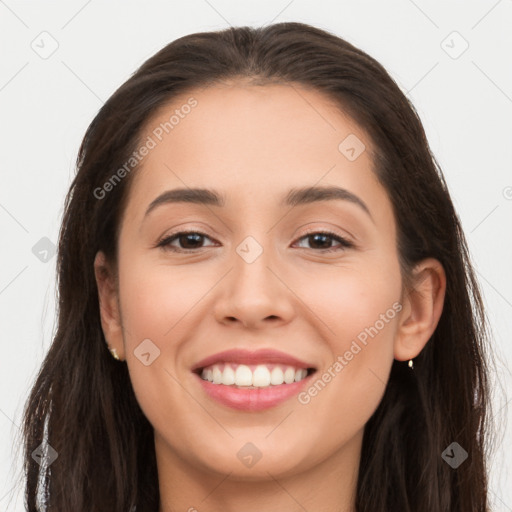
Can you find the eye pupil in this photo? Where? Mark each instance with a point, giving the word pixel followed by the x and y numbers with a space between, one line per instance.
pixel 187 237
pixel 320 235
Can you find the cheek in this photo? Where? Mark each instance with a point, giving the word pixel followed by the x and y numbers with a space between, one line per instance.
pixel 360 314
pixel 156 300
pixel 349 301
pixel 157 304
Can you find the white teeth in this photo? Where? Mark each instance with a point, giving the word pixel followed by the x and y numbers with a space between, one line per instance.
pixel 289 375
pixel 300 374
pixel 261 377
pixel 228 375
pixel 217 375
pixel 243 375
pixel 277 376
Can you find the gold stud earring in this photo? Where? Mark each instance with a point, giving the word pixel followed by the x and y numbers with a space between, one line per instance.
pixel 113 351
pixel 114 354
pixel 411 364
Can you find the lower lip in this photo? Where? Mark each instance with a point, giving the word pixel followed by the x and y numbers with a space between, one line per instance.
pixel 252 399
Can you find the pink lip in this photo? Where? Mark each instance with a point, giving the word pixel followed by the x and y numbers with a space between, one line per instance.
pixel 252 399
pixel 242 356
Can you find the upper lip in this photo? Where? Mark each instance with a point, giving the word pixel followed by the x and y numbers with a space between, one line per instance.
pixel 261 356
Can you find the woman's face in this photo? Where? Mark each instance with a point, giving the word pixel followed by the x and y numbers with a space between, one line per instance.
pixel 257 278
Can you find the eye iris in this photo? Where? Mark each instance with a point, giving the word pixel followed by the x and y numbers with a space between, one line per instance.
pixel 320 235
pixel 187 236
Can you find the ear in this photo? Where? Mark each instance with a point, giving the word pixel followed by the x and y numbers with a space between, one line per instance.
pixel 422 308
pixel 106 281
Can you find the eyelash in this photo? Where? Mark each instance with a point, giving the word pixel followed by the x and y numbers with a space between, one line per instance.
pixel 165 242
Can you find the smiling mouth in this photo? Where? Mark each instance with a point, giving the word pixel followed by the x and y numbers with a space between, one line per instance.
pixel 252 376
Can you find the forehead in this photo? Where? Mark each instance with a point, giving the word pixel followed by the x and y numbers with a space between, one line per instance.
pixel 251 142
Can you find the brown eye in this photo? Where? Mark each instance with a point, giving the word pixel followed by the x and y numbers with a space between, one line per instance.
pixel 188 240
pixel 320 241
pixel 324 240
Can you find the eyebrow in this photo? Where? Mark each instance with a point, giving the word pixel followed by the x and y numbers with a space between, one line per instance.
pixel 295 197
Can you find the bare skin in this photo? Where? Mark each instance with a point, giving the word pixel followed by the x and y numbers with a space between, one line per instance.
pixel 253 144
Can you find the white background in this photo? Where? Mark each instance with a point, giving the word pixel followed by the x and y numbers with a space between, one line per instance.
pixel 47 104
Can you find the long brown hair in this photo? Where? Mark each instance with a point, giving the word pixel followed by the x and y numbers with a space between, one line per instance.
pixel 82 402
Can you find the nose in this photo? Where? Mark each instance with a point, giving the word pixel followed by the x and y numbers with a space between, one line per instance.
pixel 254 294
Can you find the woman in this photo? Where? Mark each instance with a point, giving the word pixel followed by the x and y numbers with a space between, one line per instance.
pixel 253 368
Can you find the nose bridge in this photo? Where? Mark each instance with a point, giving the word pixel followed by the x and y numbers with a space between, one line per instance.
pixel 251 266
pixel 254 292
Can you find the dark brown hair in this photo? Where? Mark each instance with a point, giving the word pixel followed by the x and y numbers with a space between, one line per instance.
pixel 83 403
